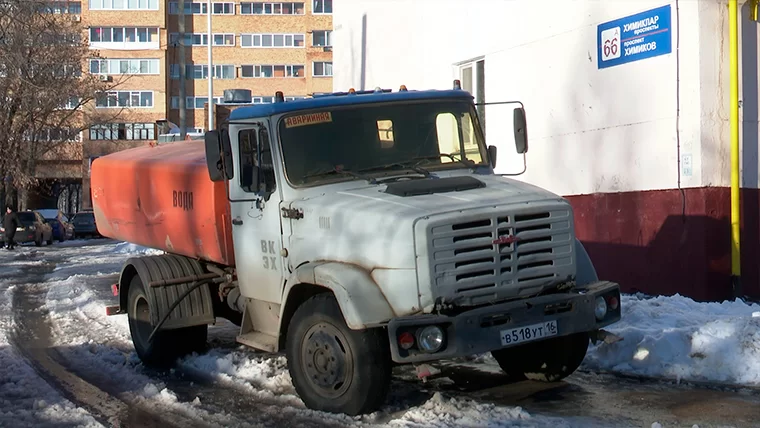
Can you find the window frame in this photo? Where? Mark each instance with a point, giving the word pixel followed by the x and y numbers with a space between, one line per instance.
pixel 313 69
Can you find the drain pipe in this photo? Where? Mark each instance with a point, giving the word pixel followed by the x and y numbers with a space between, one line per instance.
pixel 733 53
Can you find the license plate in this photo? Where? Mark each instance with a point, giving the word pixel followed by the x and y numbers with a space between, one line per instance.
pixel 529 333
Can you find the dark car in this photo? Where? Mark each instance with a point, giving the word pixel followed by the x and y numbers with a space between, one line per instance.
pixel 62 228
pixel 34 228
pixel 84 224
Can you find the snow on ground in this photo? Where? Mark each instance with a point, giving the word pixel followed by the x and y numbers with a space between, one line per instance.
pixel 26 399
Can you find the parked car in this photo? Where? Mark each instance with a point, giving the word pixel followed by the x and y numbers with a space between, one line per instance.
pixel 62 227
pixel 34 228
pixel 84 224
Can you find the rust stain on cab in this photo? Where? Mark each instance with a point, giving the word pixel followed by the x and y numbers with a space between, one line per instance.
pixel 153 196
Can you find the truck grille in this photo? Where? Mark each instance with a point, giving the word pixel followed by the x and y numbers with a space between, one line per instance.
pixel 501 256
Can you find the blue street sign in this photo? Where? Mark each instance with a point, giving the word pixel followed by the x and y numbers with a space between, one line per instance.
pixel 636 37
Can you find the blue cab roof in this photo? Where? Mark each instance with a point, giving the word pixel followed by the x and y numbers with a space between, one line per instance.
pixel 343 99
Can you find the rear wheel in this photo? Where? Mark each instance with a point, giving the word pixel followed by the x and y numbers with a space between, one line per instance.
pixel 167 345
pixel 549 360
pixel 38 240
pixel 336 369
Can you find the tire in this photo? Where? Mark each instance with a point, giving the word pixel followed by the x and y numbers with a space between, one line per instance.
pixel 38 240
pixel 168 345
pixel 50 241
pixel 356 363
pixel 549 360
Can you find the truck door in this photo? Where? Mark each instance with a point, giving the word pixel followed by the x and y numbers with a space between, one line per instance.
pixel 255 210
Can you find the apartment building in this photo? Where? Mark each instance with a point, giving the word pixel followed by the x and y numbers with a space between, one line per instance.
pixel 260 46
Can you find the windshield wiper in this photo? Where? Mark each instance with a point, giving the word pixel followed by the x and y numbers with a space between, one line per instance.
pixel 463 161
pixel 414 168
pixel 369 180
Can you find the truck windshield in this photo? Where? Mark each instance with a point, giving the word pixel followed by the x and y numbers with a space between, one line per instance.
pixel 374 140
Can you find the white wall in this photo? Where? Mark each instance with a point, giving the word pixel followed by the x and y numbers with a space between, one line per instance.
pixel 590 130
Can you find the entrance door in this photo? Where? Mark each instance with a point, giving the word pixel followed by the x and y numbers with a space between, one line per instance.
pixel 256 217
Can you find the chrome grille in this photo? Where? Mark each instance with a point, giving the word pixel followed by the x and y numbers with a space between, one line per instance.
pixel 477 259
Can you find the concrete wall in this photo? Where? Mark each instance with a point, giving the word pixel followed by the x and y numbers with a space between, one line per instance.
pixel 591 130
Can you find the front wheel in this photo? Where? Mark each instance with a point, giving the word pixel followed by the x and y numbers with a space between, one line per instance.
pixel 166 346
pixel 549 360
pixel 336 369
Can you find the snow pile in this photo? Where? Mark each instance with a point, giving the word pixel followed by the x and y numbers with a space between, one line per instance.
pixel 678 338
pixel 442 412
pixel 134 249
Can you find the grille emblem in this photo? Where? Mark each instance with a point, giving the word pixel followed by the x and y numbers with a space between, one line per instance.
pixel 505 240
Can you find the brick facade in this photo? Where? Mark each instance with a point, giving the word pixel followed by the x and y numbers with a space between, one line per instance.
pixel 164 87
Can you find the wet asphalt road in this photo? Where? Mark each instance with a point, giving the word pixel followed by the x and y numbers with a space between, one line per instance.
pixel 598 400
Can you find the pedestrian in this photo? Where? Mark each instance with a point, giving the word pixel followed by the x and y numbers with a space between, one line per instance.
pixel 10 223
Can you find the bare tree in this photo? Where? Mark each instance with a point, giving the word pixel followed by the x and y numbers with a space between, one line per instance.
pixel 48 99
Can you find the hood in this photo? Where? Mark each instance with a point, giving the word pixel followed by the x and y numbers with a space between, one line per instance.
pixel 370 226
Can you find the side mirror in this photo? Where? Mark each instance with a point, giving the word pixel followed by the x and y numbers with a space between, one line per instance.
pixel 218 155
pixel 521 131
pixel 492 156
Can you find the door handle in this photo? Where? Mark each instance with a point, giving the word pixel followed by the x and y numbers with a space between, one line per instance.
pixel 237 221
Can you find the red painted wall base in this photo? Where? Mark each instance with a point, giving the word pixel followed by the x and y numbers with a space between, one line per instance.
pixel 670 241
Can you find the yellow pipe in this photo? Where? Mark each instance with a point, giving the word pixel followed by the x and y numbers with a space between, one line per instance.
pixel 733 49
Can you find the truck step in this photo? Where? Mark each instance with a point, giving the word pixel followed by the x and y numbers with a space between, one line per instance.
pixel 258 340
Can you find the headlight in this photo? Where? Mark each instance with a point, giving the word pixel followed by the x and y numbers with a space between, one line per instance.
pixel 600 309
pixel 32 228
pixel 430 339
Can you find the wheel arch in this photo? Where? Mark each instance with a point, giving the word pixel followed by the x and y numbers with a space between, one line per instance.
pixel 360 299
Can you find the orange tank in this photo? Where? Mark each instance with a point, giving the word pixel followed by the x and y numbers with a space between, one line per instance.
pixel 161 197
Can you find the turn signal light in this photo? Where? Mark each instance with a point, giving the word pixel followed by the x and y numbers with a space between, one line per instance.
pixel 612 302
pixel 406 341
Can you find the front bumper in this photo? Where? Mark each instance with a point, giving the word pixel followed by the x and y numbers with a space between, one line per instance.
pixel 479 330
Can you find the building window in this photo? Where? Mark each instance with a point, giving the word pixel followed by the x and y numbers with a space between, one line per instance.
pixel 134 99
pixel 123 131
pixel 321 38
pixel 124 66
pixel 271 40
pixel 192 71
pixel 472 76
pixel 272 71
pixel 124 4
pixel 201 39
pixel 269 8
pixel 124 37
pixel 226 8
pixel 322 69
pixel 191 8
pixel 62 6
pixel 322 7
pixel 194 103
pixel 53 134
pixel 72 103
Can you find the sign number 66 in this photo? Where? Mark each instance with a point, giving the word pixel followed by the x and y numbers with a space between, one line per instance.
pixel 611 47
